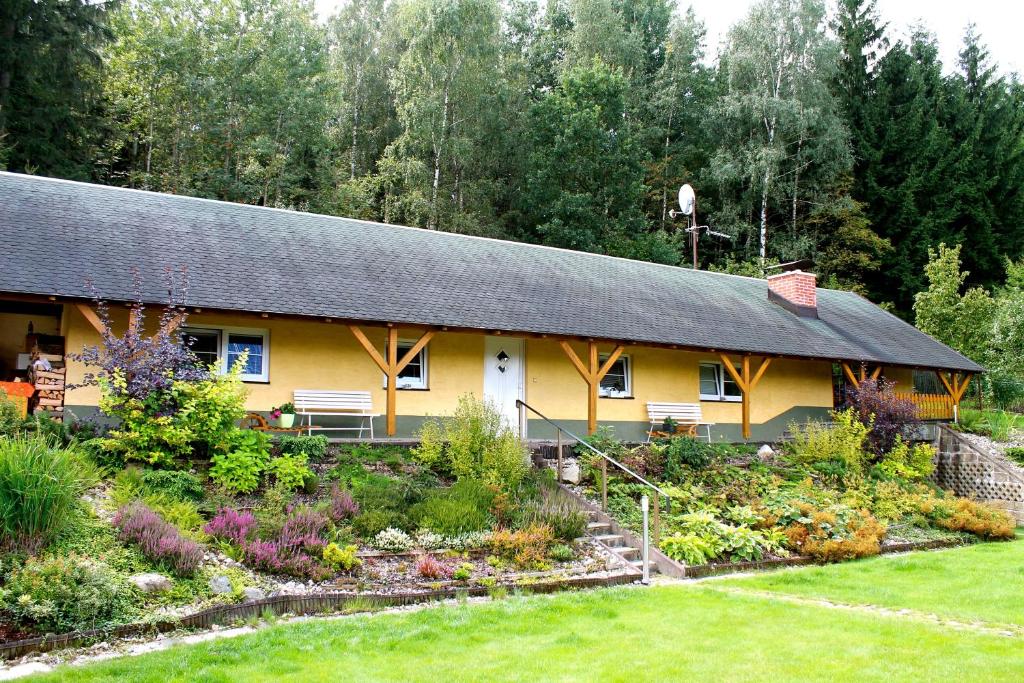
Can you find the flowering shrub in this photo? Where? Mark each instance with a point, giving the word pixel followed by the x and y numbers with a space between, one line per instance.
pixel 392 540
pixel 158 540
pixel 66 593
pixel 303 530
pixel 232 526
pixel 343 505
pixel 429 567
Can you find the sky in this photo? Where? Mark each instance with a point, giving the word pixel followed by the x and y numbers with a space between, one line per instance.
pixel 998 22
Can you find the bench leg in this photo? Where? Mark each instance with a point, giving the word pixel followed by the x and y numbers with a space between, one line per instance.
pixel 371 427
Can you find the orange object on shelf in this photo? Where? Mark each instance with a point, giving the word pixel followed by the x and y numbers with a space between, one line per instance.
pixel 19 393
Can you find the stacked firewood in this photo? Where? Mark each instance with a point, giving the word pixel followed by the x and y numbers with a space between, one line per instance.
pixel 49 398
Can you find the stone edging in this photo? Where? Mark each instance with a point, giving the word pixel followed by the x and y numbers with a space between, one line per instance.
pixel 287 604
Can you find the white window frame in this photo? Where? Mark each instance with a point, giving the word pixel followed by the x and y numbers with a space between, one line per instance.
pixel 720 380
pixel 224 333
pixel 421 384
pixel 627 370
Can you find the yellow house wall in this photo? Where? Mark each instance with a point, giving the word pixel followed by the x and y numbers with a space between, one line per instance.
pixel 317 355
pixel 903 377
pixel 555 388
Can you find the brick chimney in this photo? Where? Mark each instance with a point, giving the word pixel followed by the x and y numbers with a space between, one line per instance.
pixel 796 291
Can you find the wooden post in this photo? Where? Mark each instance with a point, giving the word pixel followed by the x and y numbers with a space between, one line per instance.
pixel 746 384
pixel 850 376
pixel 392 365
pixel 558 445
pixel 657 518
pixel 955 388
pixel 592 374
pixel 604 484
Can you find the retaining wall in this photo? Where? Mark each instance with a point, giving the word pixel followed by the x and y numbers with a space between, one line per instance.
pixel 975 472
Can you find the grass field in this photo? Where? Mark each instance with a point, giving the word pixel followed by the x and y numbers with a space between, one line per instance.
pixel 715 630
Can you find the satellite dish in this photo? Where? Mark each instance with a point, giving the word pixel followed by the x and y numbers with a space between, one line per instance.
pixel 686 200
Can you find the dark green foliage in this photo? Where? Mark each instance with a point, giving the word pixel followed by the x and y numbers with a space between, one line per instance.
pixel 685 451
pixel 174 484
pixel 372 522
pixel 460 509
pixel 566 520
pixel 1015 453
pixel 313 448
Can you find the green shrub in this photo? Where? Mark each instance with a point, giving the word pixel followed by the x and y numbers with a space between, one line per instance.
pixel 1015 453
pixel 561 552
pixel 463 508
pixel 106 459
pixel 685 451
pixel 63 594
pixel 10 416
pixel 474 443
pixel 272 510
pixel 289 470
pixel 370 523
pixel 40 485
pixel 312 447
pixel 341 559
pixel 844 441
pixel 690 549
pixel 239 470
pixel 566 521
pixel 175 484
pixel 907 462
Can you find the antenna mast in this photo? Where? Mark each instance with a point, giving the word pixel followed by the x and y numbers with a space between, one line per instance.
pixel 688 208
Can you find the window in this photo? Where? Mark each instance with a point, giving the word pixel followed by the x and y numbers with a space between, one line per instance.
pixel 413 375
pixel 224 345
pixel 617 383
pixel 716 384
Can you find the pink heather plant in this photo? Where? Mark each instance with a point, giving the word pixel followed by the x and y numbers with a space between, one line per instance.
pixel 429 567
pixel 303 530
pixel 158 540
pixel 231 525
pixel 343 506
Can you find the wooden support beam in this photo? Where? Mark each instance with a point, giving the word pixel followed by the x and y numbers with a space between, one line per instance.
pixel 592 373
pixel 391 366
pixel 849 375
pixel 863 372
pixel 746 384
pixel 962 389
pixel 91 316
pixel 877 372
pixel 945 383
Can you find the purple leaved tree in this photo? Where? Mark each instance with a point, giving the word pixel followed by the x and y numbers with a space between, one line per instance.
pixel 137 365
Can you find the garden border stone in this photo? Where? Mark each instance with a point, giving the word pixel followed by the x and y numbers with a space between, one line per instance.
pixel 316 603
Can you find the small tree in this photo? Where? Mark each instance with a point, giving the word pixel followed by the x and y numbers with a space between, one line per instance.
pixel 888 416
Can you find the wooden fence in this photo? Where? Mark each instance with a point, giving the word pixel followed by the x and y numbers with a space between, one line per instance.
pixel 930 406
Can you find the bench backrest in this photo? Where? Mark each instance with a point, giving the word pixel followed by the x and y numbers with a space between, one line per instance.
pixel 342 401
pixel 683 413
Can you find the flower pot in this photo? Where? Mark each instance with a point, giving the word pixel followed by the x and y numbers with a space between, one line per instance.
pixel 286 420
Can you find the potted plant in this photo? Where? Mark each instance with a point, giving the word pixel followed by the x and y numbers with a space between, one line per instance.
pixel 669 426
pixel 284 415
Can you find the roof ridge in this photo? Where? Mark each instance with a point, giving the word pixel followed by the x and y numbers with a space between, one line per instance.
pixel 443 233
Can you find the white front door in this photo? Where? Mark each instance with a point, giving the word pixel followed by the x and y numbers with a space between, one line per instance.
pixel 504 376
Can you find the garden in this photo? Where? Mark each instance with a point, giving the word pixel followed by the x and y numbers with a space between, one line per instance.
pixel 829 492
pixel 168 507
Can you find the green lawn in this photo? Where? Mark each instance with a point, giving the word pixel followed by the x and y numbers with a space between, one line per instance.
pixel 689 631
pixel 983 582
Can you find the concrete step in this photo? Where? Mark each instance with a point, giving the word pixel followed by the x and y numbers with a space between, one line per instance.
pixel 594 527
pixel 626 551
pixel 639 564
pixel 610 539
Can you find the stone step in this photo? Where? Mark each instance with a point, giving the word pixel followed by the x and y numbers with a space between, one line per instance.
pixel 639 564
pixel 598 526
pixel 610 539
pixel 626 551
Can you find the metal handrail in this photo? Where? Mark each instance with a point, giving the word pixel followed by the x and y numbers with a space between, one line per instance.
pixel 559 429
pixel 584 443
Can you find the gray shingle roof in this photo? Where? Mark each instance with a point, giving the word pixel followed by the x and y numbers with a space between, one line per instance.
pixel 58 233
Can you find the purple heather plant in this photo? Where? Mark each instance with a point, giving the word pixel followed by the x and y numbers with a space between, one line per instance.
pixel 343 505
pixel 158 540
pixel 231 525
pixel 303 530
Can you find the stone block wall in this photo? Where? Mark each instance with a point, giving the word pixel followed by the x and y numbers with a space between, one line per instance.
pixel 973 472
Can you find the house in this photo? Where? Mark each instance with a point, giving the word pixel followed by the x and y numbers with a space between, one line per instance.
pixel 317 301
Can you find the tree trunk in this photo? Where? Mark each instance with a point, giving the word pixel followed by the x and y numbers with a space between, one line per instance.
pixel 438 150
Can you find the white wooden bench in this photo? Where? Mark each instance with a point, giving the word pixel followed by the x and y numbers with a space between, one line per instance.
pixel 686 415
pixel 310 402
